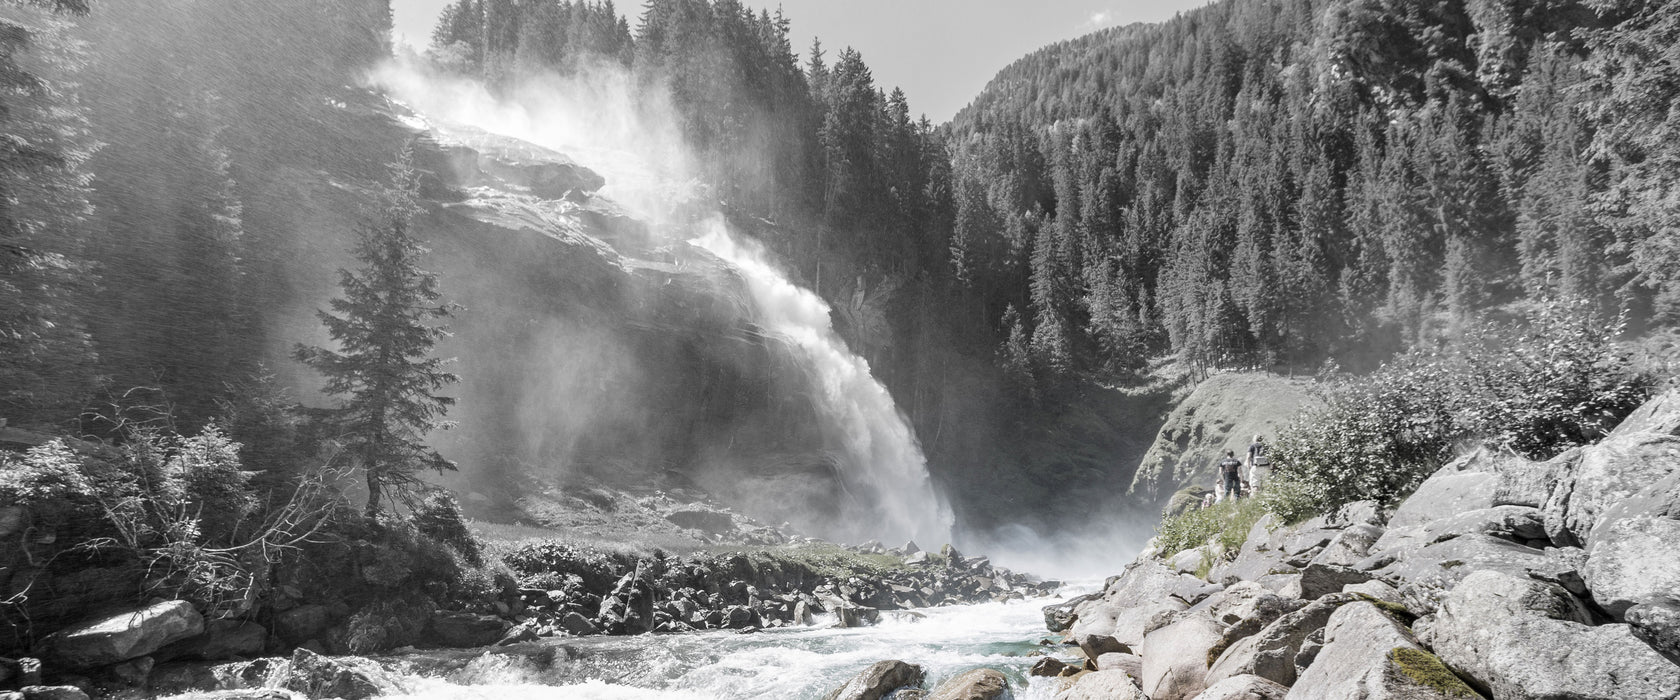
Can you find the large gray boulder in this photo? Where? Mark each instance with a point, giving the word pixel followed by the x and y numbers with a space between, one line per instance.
pixel 1520 524
pixel 879 680
pixel 1350 545
pixel 1270 653
pixel 1132 664
pixel 122 637
pixel 1320 579
pixel 1244 688
pixel 1368 654
pixel 978 684
pixel 1175 657
pixel 222 640
pixel 1516 637
pixel 1428 572
pixel 1634 561
pixel 1608 473
pixel 1530 484
pixel 1102 685
pixel 1128 624
pixel 1462 485
pixel 1659 415
pixel 1257 557
pixel 1659 625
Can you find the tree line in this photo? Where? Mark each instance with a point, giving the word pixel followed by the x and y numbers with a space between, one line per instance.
pixel 1282 183
pixel 1275 183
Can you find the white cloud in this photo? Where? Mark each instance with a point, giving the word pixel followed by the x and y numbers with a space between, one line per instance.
pixel 1098 20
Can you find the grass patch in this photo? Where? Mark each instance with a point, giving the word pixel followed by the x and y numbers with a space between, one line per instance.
pixel 1427 670
pixel 1229 522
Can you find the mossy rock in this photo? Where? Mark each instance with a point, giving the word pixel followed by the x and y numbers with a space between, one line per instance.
pixel 1395 611
pixel 1426 670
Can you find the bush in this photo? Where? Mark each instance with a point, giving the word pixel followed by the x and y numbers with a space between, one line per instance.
pixel 438 515
pixel 1226 523
pixel 598 569
pixel 1291 501
pixel 48 474
pixel 1537 387
pixel 1554 383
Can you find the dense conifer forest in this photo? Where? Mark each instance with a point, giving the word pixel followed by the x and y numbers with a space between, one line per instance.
pixel 1285 184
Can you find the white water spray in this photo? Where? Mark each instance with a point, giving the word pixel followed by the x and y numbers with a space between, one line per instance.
pixel 887 491
pixel 634 142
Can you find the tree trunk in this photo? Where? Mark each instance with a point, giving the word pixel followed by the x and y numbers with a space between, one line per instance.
pixel 372 510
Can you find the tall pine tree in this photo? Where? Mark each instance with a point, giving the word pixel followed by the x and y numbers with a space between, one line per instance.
pixel 384 368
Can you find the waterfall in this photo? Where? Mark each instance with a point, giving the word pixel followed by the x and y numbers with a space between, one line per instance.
pixel 888 493
pixel 635 140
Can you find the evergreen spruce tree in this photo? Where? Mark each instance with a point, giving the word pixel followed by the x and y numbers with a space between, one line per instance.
pixel 46 354
pixel 384 368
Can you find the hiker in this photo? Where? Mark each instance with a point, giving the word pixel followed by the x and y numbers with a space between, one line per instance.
pixel 1230 471
pixel 1259 465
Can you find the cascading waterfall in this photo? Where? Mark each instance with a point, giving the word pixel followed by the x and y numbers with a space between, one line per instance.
pixel 888 493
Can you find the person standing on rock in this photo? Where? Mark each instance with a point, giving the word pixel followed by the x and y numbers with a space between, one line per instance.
pixel 1230 471
pixel 1259 465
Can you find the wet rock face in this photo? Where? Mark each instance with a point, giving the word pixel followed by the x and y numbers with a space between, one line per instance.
pixel 879 680
pixel 978 684
pixel 347 678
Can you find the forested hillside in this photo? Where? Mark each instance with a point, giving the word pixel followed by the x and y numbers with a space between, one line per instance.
pixel 1284 182
pixel 1273 183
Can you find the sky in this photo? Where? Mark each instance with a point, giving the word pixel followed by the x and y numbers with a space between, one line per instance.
pixel 941 52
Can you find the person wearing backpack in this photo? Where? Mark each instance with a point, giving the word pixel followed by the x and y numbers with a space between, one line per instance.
pixel 1259 465
pixel 1230 471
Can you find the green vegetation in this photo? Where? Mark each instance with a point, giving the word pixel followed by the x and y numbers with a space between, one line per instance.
pixel 384 329
pixel 1427 670
pixel 1537 386
pixel 556 564
pixel 1226 524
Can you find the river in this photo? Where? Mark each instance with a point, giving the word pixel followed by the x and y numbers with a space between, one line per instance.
pixel 780 664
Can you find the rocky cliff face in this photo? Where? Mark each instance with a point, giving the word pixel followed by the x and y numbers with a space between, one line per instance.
pixel 1499 578
pixel 592 345
pixel 1224 412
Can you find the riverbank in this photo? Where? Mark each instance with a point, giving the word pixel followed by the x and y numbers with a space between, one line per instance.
pixel 1499 577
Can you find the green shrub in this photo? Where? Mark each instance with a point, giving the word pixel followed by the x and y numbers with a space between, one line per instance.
pixel 1536 387
pixel 1555 382
pixel 438 515
pixel 1226 523
pixel 598 569
pixel 47 474
pixel 1290 500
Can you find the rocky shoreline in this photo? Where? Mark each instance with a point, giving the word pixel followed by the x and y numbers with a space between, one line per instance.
pixel 170 648
pixel 1498 578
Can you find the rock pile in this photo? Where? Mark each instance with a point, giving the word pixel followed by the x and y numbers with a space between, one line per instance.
pixel 1499 578
pixel 732 592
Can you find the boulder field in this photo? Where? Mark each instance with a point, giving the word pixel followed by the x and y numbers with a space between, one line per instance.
pixel 1498 578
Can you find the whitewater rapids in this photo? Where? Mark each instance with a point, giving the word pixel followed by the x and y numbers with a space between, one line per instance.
pixel 780 664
